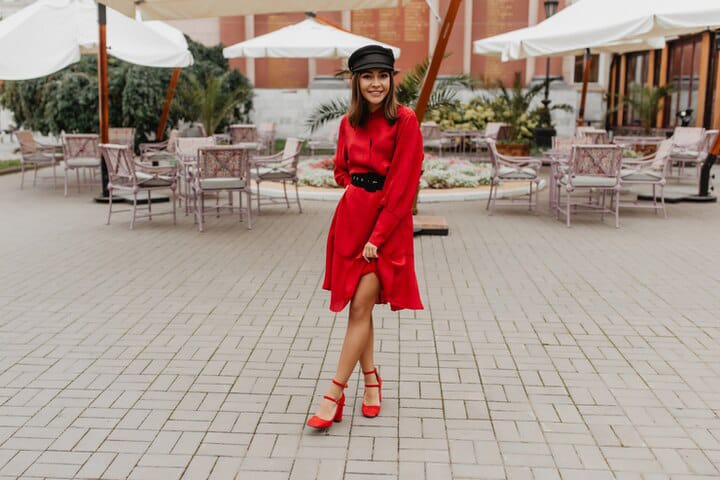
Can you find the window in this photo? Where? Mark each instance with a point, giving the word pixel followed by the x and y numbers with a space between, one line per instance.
pixel 636 73
pixel 580 65
pixel 684 76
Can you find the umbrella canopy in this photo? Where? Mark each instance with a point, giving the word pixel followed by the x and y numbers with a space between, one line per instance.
pixel 179 9
pixel 607 25
pixel 49 35
pixel 307 39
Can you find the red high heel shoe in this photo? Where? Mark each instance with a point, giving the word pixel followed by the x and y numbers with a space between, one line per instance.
pixel 317 422
pixel 372 411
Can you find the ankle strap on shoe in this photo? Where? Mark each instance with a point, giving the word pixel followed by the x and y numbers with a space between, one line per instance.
pixel 334 400
pixel 374 370
pixel 343 385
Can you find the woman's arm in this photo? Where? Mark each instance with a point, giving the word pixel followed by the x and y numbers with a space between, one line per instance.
pixel 342 172
pixel 402 179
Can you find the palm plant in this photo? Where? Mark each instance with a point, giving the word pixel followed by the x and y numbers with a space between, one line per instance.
pixel 408 91
pixel 645 102
pixel 211 102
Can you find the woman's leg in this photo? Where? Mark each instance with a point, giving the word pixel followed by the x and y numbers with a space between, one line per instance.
pixel 367 363
pixel 359 330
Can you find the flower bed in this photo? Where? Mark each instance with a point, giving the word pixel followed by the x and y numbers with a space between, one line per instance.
pixel 438 173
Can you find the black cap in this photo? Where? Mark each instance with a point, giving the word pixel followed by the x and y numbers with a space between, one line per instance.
pixel 371 56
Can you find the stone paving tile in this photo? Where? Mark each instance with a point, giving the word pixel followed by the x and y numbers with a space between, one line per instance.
pixel 543 353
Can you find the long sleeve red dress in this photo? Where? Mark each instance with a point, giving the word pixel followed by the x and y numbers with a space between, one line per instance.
pixel 382 217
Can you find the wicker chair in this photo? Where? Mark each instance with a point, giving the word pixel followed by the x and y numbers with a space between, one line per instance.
pixel 650 170
pixel 81 152
pixel 186 151
pixel 122 136
pixel 281 167
pixel 688 147
pixel 505 168
pixel 124 174
pixel 155 151
pixel 240 133
pixel 595 168
pixel 35 154
pixel 222 169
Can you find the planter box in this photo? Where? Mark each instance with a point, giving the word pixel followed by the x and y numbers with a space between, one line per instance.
pixel 513 149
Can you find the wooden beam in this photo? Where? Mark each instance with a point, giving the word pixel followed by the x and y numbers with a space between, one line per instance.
pixel 661 83
pixel 650 81
pixel 160 132
pixel 703 80
pixel 621 90
pixel 583 94
pixel 613 91
pixel 103 114
pixel 716 100
pixel 432 72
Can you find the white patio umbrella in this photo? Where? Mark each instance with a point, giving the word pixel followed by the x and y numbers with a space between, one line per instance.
pixel 307 39
pixel 179 9
pixel 608 25
pixel 49 35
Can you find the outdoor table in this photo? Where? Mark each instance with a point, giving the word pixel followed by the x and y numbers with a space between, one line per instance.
pixel 640 144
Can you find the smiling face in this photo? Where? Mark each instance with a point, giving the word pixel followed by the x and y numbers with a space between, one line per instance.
pixel 374 87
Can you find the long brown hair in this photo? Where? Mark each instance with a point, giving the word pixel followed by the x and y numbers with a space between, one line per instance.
pixel 359 110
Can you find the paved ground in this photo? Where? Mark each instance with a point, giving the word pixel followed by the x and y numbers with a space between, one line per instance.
pixel 544 352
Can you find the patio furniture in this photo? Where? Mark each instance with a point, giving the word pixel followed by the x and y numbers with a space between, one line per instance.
pixel 81 152
pixel 688 144
pixel 240 133
pixel 266 136
pixel 505 168
pixel 36 154
pixel 125 174
pixel 593 136
pixel 186 150
pixel 193 131
pixel 595 168
pixel 493 131
pixel 433 137
pixel 695 158
pixel 317 142
pixel 122 136
pixel 281 167
pixel 157 151
pixel 650 170
pixel 222 169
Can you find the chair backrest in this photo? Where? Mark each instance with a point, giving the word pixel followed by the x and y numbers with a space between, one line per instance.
pixel 81 145
pixel 187 147
pixel 689 137
pixel 596 160
pixel 291 154
pixel 494 160
pixel 119 162
pixel 709 140
pixel 266 134
pixel 593 136
pixel 492 130
pixel 122 136
pixel 430 131
pixel 223 162
pixel 243 133
pixel 27 141
pixel 563 145
pixel 172 140
pixel 662 155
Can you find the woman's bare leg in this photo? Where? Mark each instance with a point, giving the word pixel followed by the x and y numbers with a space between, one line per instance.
pixel 367 363
pixel 359 330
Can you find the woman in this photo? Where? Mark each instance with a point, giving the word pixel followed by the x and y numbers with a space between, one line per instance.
pixel 370 245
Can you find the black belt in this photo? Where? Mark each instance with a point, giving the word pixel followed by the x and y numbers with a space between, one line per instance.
pixel 369 181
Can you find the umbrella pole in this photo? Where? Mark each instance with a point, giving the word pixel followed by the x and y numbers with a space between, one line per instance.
pixel 160 133
pixel 103 91
pixel 431 76
pixel 583 95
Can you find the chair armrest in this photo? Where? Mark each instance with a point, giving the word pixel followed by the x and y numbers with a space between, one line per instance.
pixel 519 162
pixel 153 146
pixel 155 170
pixel 257 159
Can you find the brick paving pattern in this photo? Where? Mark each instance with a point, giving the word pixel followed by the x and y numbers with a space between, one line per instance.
pixel 544 353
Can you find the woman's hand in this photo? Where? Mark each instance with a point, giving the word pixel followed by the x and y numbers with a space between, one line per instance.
pixel 369 251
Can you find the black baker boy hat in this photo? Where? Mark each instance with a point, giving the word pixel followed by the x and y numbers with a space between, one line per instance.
pixel 371 56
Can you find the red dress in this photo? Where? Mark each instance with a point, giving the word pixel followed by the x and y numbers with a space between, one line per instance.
pixel 383 218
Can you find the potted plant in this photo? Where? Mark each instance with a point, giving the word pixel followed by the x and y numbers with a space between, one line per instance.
pixel 645 102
